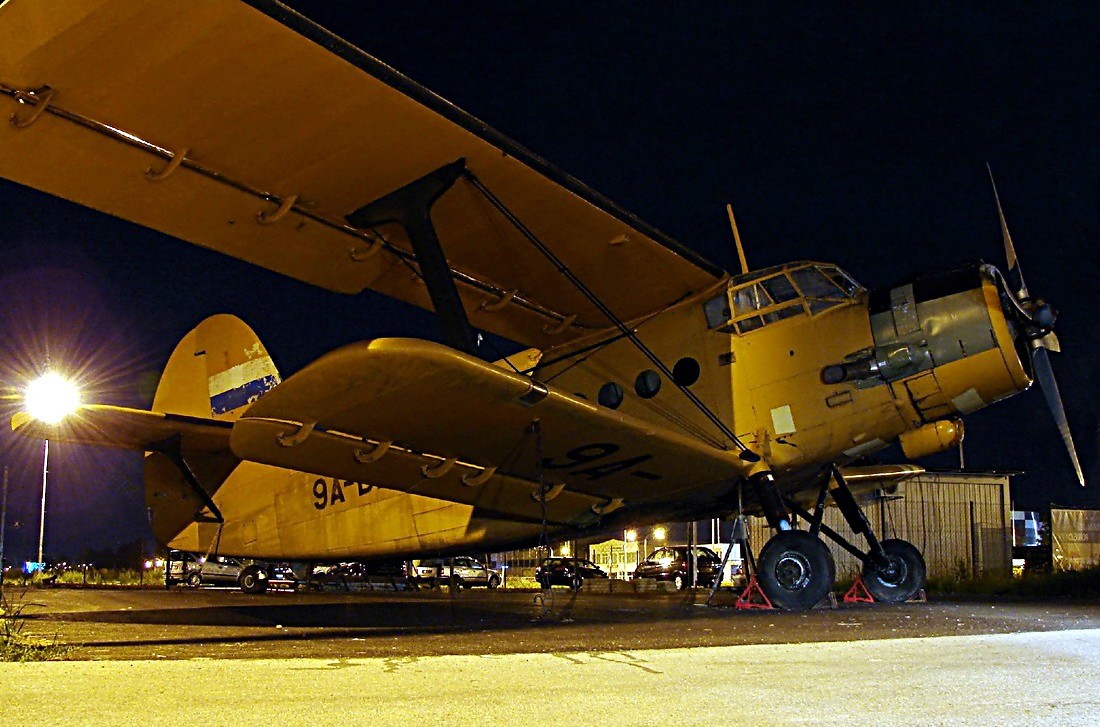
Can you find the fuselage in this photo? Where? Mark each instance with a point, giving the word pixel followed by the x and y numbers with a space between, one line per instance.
pixel 806 366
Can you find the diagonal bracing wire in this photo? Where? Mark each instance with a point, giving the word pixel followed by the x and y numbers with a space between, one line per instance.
pixel 596 301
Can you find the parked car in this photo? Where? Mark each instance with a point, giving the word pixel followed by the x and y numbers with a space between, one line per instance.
pixel 559 571
pixel 347 573
pixel 195 570
pixel 469 572
pixel 672 563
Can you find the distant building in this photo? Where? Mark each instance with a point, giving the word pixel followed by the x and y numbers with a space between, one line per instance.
pixel 1075 536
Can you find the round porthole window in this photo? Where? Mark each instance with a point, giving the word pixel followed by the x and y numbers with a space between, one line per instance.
pixel 611 395
pixel 686 371
pixel 647 384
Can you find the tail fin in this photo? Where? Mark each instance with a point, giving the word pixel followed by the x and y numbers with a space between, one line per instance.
pixel 217 370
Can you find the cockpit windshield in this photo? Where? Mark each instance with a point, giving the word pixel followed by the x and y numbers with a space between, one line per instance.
pixel 766 296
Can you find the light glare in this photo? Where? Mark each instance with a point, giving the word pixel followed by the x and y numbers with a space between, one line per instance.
pixel 51 398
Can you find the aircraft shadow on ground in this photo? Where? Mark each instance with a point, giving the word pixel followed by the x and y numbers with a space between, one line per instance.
pixel 376 618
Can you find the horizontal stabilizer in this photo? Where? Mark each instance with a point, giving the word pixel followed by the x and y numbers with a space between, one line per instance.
pixel 124 428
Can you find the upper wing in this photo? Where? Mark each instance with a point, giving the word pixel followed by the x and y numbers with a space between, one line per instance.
pixel 420 417
pixel 264 109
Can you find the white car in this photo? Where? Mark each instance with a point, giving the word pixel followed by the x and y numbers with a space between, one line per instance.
pixel 469 572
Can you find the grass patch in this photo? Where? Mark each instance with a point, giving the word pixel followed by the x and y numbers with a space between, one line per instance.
pixel 15 645
pixel 1059 585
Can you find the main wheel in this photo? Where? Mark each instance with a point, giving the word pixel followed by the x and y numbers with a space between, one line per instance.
pixel 901 578
pixel 796 570
pixel 253 580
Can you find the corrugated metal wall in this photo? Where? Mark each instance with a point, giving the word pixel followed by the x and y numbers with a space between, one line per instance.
pixel 961 522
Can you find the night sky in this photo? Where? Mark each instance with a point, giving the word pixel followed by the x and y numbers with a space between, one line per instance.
pixel 855 138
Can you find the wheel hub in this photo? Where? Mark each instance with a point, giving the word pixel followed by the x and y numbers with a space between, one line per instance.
pixel 792 571
pixel 894 573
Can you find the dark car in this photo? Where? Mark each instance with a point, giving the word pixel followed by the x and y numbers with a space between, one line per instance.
pixel 673 563
pixel 389 572
pixel 566 572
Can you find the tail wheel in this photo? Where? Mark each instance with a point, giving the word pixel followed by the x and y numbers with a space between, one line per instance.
pixel 796 570
pixel 253 579
pixel 901 578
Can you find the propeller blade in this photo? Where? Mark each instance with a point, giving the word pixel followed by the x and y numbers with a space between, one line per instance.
pixel 1043 371
pixel 1049 342
pixel 1010 251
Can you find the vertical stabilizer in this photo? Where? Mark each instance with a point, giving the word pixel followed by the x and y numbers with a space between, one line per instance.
pixel 217 370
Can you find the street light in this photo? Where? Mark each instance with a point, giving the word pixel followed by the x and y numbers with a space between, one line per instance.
pixel 49 399
pixel 631 536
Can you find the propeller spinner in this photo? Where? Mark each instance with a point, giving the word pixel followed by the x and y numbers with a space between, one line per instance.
pixel 1036 318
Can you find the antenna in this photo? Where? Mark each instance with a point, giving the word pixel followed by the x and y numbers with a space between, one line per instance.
pixel 737 240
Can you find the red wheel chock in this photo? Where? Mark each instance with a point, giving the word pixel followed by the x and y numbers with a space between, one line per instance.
pixel 858 593
pixel 752 590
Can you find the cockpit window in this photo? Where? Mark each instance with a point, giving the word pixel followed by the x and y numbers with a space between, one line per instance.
pixel 750 299
pixel 841 278
pixel 815 284
pixel 778 293
pixel 780 288
pixel 717 310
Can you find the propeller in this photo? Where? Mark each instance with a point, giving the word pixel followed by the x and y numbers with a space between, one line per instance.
pixel 1037 318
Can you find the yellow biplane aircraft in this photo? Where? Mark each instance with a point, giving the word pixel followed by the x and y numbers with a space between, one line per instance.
pixel 656 385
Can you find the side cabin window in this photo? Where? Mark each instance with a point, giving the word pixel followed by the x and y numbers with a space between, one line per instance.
pixel 777 294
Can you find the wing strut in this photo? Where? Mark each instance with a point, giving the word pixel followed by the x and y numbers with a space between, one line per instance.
pixel 411 207
pixel 746 454
pixel 172 449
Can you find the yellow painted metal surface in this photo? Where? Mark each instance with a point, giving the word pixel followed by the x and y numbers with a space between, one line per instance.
pixel 215 123
pixel 257 103
pixel 931 438
pixel 430 399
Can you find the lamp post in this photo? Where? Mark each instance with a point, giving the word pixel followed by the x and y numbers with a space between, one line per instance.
pixel 631 536
pixel 42 517
pixel 49 399
pixel 3 522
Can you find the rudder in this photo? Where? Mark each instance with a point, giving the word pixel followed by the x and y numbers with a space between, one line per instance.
pixel 217 370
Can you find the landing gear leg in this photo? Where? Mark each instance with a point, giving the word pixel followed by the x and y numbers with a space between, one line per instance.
pixel 893 570
pixel 795 569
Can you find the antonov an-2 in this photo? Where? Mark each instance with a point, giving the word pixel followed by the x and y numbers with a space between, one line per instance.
pixel 657 386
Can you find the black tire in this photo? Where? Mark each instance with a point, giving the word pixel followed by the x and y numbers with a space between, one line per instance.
pixel 796 570
pixel 678 582
pixel 195 579
pixel 459 583
pixel 494 582
pixel 902 579
pixel 576 583
pixel 253 579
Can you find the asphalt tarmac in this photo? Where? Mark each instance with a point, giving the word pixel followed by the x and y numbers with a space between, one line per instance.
pixel 186 623
pixel 477 657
